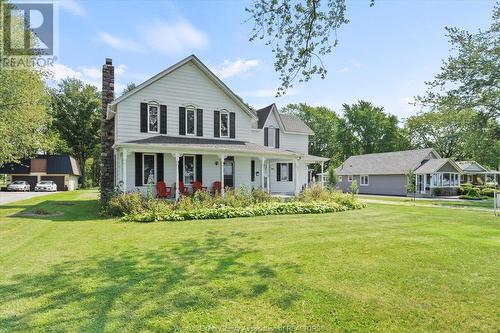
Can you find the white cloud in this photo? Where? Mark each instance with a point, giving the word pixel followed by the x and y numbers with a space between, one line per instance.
pixel 231 68
pixel 173 38
pixel 89 75
pixel 73 7
pixel 344 70
pixel 354 63
pixel 408 100
pixel 118 43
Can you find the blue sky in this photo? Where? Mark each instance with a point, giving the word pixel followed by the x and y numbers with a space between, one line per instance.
pixel 384 55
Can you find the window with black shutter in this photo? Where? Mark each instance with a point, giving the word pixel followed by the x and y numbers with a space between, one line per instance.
pixel 277 138
pixel 182 120
pixel 159 166
pixel 266 136
pixel 163 119
pixel 144 117
pixel 252 170
pixel 138 169
pixel 216 124
pixel 232 125
pixel 284 172
pixel 199 122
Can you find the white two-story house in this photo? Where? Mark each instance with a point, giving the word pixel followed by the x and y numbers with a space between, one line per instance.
pixel 184 125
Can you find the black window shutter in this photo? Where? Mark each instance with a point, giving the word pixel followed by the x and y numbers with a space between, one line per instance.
pixel 144 117
pixel 277 137
pixel 216 124
pixel 199 168
pixel 182 120
pixel 138 169
pixel 181 169
pixel 232 125
pixel 159 166
pixel 266 136
pixel 278 172
pixel 290 171
pixel 199 122
pixel 163 119
pixel 252 170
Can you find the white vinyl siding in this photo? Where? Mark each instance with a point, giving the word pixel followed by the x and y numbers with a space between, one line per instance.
pixel 186 85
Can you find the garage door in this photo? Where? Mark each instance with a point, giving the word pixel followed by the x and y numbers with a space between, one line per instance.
pixel 30 179
pixel 59 180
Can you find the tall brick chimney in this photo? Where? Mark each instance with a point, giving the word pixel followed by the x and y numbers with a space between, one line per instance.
pixel 107 131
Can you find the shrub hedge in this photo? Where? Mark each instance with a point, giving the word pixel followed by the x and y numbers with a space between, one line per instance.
pixel 235 203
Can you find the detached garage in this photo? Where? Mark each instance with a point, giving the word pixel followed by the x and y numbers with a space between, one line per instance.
pixel 61 169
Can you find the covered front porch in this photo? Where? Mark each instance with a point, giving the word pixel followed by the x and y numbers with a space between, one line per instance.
pixel 437 177
pixel 216 167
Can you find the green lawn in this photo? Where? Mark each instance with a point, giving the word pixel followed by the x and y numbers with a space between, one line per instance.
pixel 483 204
pixel 384 268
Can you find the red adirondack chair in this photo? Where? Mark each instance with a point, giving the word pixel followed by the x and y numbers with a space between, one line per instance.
pixel 197 186
pixel 183 190
pixel 216 186
pixel 163 191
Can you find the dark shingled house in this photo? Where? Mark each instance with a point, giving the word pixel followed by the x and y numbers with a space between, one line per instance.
pixel 62 169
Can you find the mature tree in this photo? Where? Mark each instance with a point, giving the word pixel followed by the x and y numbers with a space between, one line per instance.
pixel 470 78
pixel 129 87
pixel 323 122
pixel 463 134
pixel 75 108
pixel 367 129
pixel 24 122
pixel 299 33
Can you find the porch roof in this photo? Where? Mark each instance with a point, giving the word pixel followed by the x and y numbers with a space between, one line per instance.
pixel 433 165
pixel 215 146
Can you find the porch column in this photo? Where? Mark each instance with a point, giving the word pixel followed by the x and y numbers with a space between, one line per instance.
pixel 262 168
pixel 296 174
pixel 268 177
pixel 124 169
pixel 222 158
pixel 322 177
pixel 177 192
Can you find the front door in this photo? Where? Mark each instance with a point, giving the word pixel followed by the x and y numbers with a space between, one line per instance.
pixel 229 172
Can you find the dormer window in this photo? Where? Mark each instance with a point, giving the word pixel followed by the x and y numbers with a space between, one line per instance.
pixel 224 124
pixel 271 137
pixel 190 121
pixel 153 116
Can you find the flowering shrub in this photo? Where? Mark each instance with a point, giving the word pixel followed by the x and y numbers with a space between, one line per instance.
pixel 235 203
pixel 274 208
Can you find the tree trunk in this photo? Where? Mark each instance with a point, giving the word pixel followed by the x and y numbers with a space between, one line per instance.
pixel 83 176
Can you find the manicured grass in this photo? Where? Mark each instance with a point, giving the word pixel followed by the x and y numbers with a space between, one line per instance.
pixel 383 268
pixel 486 204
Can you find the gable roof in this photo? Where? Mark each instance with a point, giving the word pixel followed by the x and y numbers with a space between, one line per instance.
pixel 393 163
pixel 56 164
pixel 471 166
pixel 435 164
pixel 193 59
pixel 290 123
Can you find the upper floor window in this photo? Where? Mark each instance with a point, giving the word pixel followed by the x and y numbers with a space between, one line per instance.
pixel 271 137
pixel 153 117
pixel 191 121
pixel 224 124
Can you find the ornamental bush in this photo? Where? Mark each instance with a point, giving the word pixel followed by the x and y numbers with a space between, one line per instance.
pixel 274 208
pixel 235 203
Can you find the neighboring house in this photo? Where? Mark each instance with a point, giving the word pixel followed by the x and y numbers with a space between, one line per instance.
pixel 386 173
pixel 62 169
pixel 474 173
pixel 184 124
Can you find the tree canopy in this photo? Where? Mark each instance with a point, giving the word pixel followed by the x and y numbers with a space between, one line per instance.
pixel 75 107
pixel 469 78
pixel 299 34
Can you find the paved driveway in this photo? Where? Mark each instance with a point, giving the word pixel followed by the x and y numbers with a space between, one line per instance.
pixel 8 197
